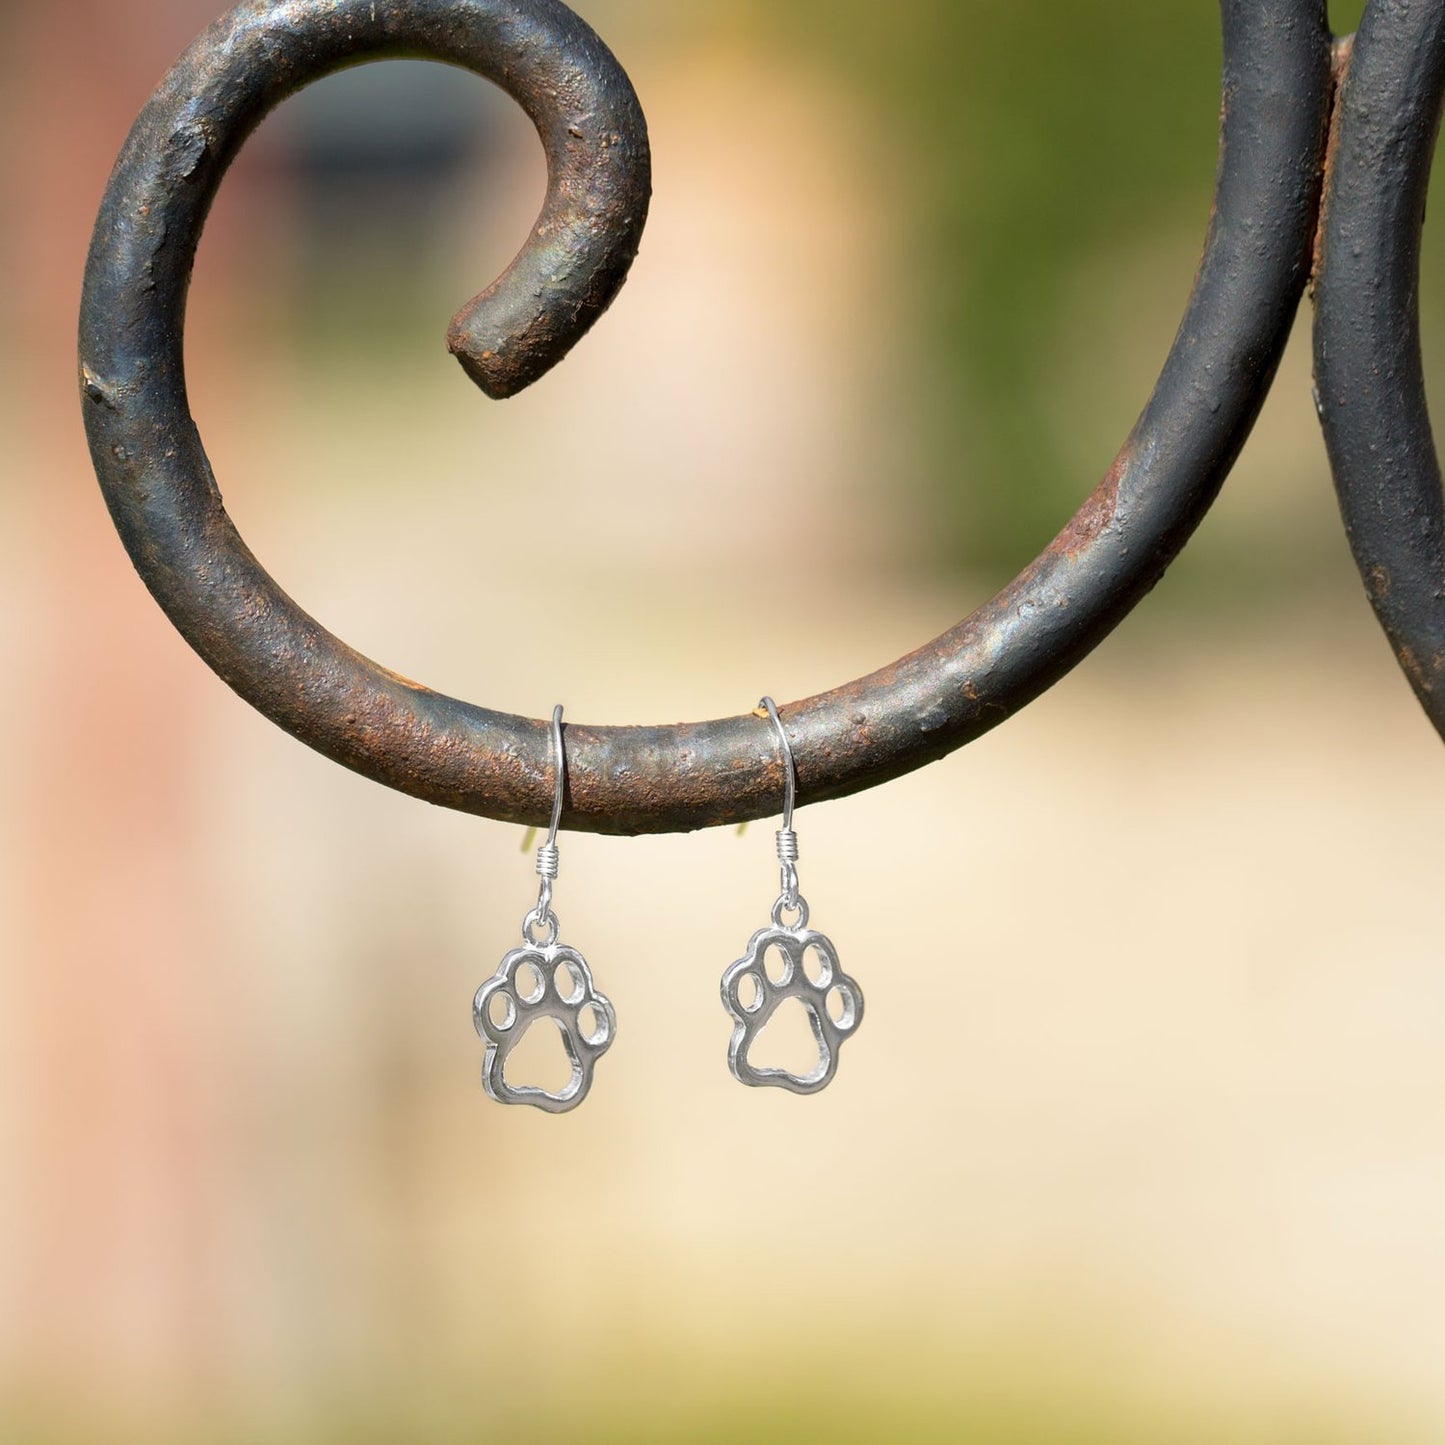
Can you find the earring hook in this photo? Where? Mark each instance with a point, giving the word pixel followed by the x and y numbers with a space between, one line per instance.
pixel 559 755
pixel 549 857
pixel 787 838
pixel 790 777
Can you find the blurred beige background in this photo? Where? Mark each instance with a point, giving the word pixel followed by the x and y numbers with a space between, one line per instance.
pixel 1143 1137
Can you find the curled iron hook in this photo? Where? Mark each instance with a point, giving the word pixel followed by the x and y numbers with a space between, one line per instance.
pixel 165 503
pixel 566 274
pixel 1369 376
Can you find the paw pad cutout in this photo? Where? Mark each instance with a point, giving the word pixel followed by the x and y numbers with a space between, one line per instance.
pixel 543 981
pixel 782 964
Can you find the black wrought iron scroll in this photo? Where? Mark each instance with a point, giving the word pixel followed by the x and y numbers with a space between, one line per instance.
pixel 1277 103
pixel 1369 381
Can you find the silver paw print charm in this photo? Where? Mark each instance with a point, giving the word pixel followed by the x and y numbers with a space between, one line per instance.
pixel 535 982
pixel 790 963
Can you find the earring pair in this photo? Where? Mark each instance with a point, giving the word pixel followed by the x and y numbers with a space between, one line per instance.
pixel 785 960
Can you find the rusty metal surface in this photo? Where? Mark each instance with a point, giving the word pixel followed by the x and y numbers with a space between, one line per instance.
pixel 1369 380
pixel 157 482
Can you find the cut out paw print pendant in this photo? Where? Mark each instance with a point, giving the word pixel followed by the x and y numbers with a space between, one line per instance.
pixel 544 980
pixel 789 961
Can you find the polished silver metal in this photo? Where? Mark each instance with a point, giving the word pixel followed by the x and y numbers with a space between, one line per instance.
pixel 807 970
pixel 544 980
pixel 790 771
pixel 787 838
pixel 789 961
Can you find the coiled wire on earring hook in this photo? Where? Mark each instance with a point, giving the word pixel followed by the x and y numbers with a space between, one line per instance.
pixel 789 899
pixel 549 856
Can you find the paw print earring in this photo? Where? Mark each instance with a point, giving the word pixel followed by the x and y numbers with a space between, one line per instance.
pixel 544 980
pixel 789 961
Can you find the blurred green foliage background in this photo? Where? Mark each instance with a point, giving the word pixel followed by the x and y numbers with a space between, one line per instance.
pixel 1032 138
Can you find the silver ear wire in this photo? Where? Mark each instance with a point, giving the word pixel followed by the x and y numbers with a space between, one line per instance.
pixel 549 857
pixel 791 900
pixel 790 770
